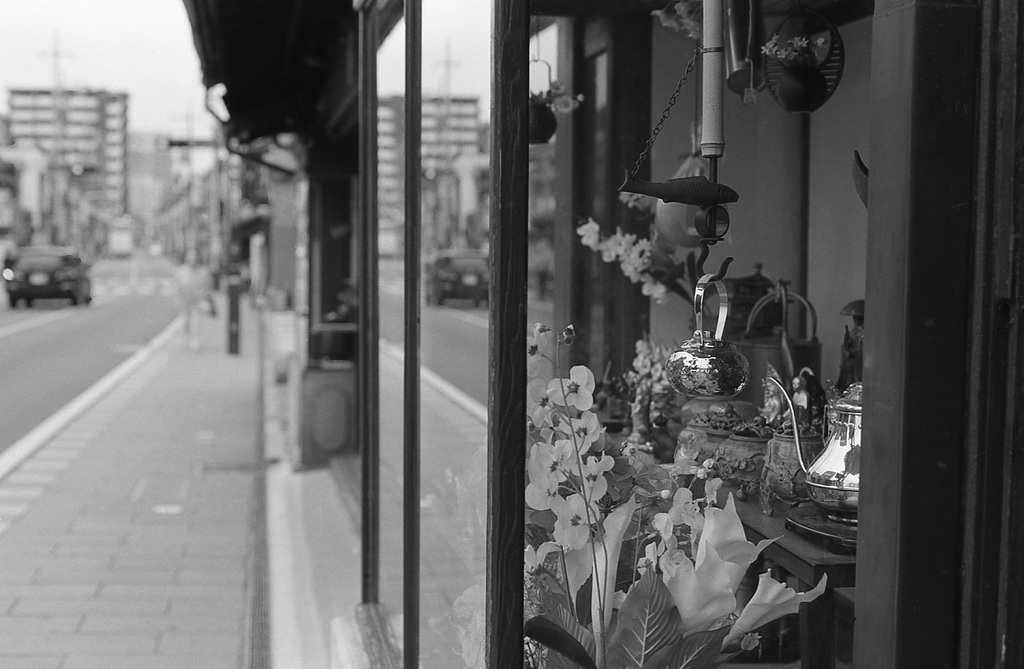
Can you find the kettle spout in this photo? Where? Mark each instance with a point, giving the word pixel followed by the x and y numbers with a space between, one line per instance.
pixel 796 428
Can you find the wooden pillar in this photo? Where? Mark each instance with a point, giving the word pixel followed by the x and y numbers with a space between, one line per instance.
pixel 506 402
pixel 924 106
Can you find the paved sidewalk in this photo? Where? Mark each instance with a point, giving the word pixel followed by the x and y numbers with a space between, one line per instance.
pixel 125 539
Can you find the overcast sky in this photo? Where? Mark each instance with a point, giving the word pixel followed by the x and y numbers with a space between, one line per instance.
pixel 144 47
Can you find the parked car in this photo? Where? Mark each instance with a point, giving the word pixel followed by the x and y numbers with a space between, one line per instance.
pixel 457 274
pixel 47 272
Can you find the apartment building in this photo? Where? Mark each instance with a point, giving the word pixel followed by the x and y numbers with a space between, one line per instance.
pixel 84 130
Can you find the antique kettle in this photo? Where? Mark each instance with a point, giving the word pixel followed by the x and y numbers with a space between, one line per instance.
pixel 833 478
pixel 707 365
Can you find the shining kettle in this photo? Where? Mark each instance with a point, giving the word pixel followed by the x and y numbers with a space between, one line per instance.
pixel 707 365
pixel 833 478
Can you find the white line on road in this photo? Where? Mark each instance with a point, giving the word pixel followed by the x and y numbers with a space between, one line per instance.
pixel 49 428
pixel 396 355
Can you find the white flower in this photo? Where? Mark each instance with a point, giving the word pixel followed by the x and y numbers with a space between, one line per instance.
pixel 771 600
pixel 590 234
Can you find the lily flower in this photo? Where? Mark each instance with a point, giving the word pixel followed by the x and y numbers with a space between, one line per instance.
pixel 771 600
pixel 703 592
pixel 724 533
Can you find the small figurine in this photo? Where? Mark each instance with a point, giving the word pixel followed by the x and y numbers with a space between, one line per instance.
pixel 818 400
pixel 773 401
pixel 801 402
pixel 851 364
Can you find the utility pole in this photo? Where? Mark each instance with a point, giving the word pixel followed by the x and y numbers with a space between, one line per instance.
pixel 60 206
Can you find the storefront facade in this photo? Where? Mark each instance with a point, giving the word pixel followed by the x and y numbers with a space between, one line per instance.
pixel 930 97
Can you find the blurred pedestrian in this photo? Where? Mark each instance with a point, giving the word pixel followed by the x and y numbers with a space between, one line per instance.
pixel 194 286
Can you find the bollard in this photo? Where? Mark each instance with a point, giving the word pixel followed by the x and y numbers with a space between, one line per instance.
pixel 234 298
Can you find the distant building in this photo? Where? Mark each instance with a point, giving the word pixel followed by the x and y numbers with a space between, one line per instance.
pixel 82 130
pixel 451 135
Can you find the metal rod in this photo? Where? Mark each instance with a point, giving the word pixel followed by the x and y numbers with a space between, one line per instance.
pixel 411 442
pixel 369 311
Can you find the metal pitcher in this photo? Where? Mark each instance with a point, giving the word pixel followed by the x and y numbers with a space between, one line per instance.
pixel 833 478
pixel 707 365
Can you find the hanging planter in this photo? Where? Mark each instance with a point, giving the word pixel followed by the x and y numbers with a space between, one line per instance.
pixel 544 106
pixel 542 121
pixel 804 62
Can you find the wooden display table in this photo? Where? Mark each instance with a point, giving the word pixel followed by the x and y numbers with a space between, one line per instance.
pixel 808 561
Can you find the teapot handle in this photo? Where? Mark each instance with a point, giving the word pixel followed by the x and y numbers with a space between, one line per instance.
pixel 723 304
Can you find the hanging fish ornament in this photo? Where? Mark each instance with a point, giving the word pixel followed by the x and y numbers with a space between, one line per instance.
pixel 696 190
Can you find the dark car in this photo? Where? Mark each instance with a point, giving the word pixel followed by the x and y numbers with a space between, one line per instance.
pixel 457 274
pixel 47 272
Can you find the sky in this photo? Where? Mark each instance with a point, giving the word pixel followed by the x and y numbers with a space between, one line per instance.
pixel 142 47
pixel 145 48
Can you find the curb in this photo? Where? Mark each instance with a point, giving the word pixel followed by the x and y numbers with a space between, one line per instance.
pixel 23 449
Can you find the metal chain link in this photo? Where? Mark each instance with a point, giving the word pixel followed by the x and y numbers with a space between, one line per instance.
pixel 665 114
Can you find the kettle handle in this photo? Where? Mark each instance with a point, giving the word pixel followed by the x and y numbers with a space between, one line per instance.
pixel 796 428
pixel 723 304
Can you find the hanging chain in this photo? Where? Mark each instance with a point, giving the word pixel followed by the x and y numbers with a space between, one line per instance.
pixel 665 113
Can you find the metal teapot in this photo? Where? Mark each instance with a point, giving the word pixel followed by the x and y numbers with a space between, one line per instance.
pixel 833 478
pixel 707 365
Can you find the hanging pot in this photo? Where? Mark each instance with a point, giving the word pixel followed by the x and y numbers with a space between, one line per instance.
pixel 806 84
pixel 542 122
pixel 707 365
pixel 801 88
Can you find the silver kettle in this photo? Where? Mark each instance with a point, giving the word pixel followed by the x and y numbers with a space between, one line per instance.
pixel 833 478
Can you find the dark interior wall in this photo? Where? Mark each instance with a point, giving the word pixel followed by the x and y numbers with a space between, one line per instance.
pixel 838 222
pixel 763 162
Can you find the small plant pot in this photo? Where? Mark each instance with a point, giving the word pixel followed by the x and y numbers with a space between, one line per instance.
pixel 801 88
pixel 542 123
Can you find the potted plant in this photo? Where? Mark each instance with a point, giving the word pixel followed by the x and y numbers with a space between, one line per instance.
pixel 545 104
pixel 808 55
pixel 628 564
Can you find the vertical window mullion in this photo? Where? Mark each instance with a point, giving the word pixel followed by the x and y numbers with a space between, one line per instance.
pixel 411 439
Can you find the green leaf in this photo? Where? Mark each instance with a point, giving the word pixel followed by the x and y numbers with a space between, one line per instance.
pixel 549 634
pixel 700 650
pixel 648 621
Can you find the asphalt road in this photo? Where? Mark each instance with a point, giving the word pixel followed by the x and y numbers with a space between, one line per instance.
pixel 453 341
pixel 52 352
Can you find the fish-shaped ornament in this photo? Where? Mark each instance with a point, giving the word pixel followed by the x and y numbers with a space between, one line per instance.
pixel 687 190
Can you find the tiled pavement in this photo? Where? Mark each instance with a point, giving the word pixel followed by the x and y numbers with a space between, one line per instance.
pixel 124 540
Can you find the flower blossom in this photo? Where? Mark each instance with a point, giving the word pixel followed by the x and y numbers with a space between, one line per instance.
pixel 590 234
pixel 533 558
pixel 538 349
pixel 701 590
pixel 724 534
pixel 586 430
pixel 573 521
pixel 576 391
pixel 594 481
pixel 539 402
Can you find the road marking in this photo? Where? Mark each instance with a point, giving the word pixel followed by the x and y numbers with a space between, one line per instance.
pixel 396 355
pixel 22 449
pixel 34 322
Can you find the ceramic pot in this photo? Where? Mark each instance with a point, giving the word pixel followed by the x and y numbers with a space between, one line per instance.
pixel 782 477
pixel 542 123
pixel 801 88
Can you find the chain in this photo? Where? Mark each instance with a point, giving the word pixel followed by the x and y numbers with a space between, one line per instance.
pixel 665 113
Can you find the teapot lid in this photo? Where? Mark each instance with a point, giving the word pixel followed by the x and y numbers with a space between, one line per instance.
pixel 850 400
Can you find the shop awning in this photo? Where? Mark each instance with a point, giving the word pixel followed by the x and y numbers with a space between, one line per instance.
pixel 272 57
